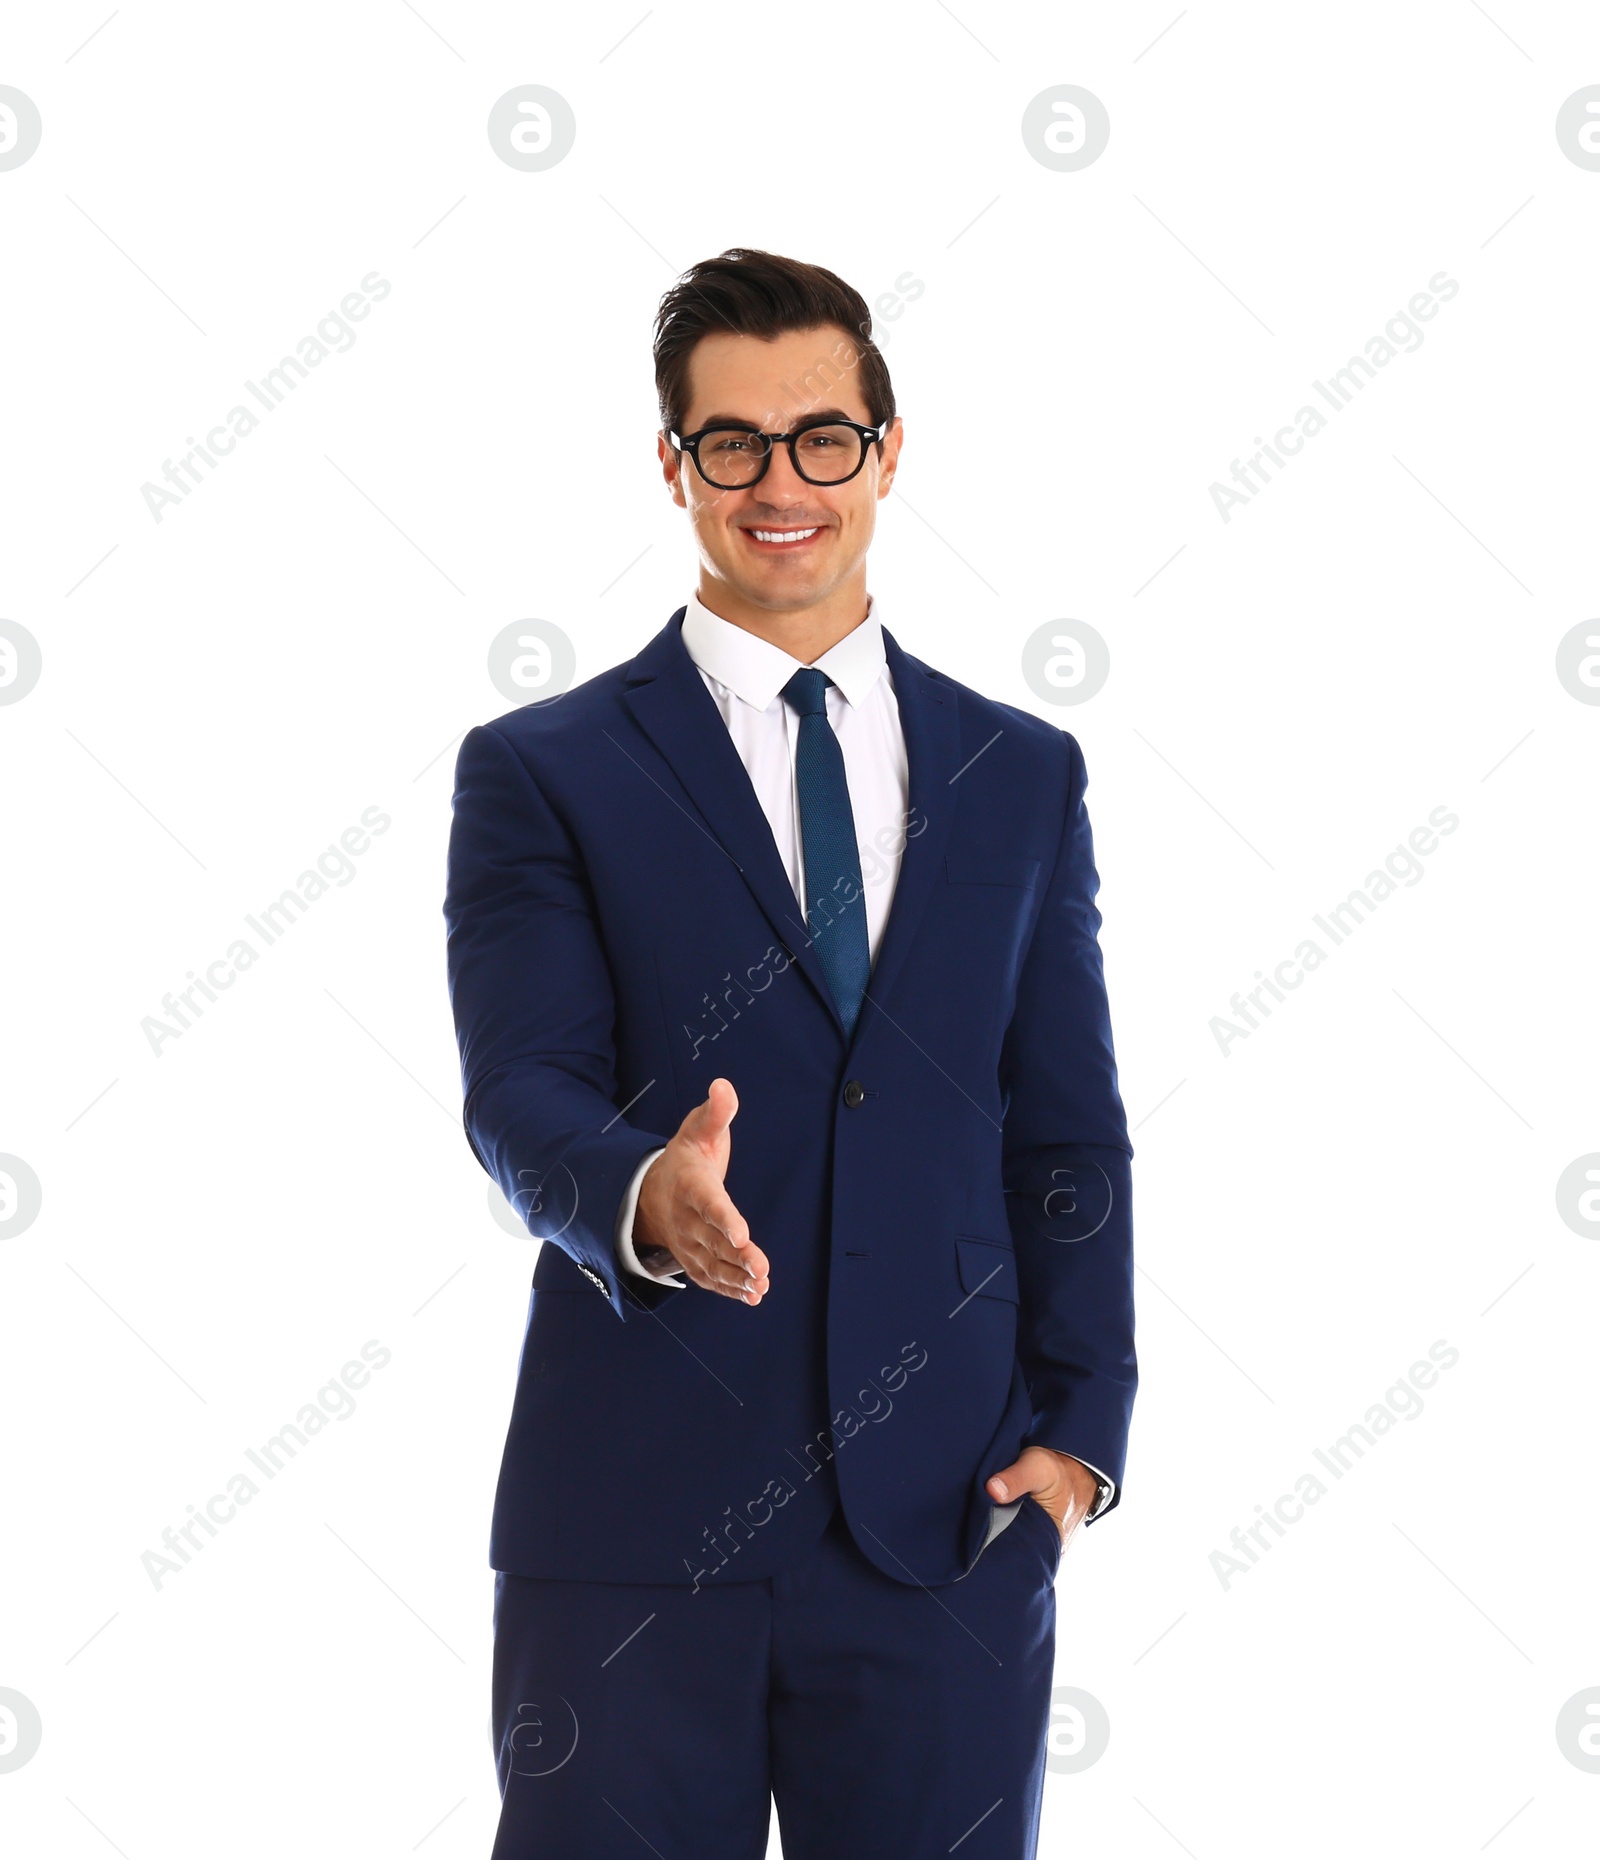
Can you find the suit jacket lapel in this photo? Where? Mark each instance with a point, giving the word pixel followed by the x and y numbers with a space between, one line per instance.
pixel 933 748
pixel 669 701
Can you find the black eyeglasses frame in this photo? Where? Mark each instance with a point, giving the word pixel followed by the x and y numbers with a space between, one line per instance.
pixel 690 443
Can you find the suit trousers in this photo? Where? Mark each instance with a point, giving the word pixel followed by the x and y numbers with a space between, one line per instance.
pixel 881 1718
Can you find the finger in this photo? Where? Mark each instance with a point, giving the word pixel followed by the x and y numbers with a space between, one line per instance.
pixel 713 1205
pixel 741 1268
pixel 743 1255
pixel 713 1273
pixel 747 1261
pixel 754 1262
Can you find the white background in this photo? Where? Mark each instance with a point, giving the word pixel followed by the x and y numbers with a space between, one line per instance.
pixel 305 636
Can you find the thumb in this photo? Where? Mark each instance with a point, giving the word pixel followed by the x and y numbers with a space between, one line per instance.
pixel 1012 1482
pixel 707 1124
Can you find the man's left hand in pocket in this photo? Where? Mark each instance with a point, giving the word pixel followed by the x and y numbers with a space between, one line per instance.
pixel 1064 1486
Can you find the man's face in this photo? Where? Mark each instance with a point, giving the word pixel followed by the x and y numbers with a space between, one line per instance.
pixel 775 386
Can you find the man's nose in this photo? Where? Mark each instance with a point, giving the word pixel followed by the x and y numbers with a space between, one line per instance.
pixel 781 483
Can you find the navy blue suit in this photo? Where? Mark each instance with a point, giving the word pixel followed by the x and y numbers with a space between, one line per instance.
pixel 944 1197
pixel 621 931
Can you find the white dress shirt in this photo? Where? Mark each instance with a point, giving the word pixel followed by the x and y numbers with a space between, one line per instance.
pixel 745 675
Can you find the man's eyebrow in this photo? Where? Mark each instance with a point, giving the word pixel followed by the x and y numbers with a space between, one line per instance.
pixel 810 417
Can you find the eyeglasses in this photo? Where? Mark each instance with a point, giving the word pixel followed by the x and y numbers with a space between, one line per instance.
pixel 732 457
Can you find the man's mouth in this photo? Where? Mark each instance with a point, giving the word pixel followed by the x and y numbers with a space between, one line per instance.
pixel 778 541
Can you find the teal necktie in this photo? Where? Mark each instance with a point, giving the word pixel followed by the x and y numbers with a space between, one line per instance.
pixel 836 913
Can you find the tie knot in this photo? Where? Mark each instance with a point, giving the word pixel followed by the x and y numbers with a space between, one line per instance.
pixel 806 692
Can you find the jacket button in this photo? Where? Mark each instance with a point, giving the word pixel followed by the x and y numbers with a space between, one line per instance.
pixel 854 1094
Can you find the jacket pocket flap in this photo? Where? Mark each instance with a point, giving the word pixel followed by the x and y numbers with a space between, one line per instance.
pixel 987 1269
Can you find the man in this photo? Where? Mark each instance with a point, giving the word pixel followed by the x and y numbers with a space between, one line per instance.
pixel 774 967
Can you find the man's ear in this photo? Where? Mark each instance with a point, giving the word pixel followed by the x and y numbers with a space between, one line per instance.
pixel 671 469
pixel 891 457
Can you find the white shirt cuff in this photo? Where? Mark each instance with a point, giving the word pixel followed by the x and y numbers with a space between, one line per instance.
pixel 1108 1490
pixel 627 1258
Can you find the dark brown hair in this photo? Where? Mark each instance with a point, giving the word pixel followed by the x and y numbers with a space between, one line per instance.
pixel 761 294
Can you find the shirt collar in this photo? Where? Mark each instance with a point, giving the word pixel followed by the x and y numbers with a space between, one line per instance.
pixel 755 670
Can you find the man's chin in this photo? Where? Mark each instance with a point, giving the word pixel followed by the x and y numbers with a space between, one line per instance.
pixel 780 591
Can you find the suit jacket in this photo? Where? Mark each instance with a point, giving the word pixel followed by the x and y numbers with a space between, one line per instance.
pixel 944 1197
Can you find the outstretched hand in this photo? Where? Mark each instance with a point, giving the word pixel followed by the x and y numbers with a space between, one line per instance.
pixel 685 1210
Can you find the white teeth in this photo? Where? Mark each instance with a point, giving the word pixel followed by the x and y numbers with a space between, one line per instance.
pixel 784 535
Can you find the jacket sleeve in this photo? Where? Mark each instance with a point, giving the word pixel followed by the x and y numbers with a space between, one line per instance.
pixel 534 1013
pixel 1066 1167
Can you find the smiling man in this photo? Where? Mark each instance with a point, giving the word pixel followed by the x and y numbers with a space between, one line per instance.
pixel 773 957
